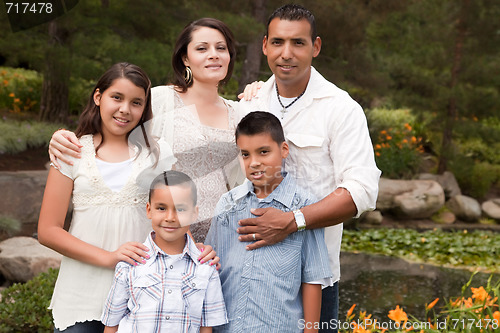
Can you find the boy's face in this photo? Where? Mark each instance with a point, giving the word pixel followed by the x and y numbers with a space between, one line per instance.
pixel 262 158
pixel 171 211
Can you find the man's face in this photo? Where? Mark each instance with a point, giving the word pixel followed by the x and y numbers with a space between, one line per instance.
pixel 290 50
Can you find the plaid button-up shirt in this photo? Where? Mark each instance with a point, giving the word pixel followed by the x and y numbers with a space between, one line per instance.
pixel 167 294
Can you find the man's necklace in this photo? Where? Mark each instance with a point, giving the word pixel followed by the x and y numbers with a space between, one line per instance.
pixel 284 108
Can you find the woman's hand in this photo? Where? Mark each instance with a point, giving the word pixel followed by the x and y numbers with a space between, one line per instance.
pixel 62 143
pixel 133 253
pixel 251 90
pixel 207 254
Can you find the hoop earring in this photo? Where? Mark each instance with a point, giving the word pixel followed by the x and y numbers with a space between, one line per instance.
pixel 188 75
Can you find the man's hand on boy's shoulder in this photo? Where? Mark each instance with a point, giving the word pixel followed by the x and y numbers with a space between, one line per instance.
pixel 269 227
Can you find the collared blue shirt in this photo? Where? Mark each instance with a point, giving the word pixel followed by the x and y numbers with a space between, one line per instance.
pixel 166 294
pixel 262 288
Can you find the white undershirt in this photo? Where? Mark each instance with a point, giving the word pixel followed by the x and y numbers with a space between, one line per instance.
pixel 115 175
pixel 275 106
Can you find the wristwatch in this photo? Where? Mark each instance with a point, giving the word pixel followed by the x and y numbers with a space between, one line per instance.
pixel 300 220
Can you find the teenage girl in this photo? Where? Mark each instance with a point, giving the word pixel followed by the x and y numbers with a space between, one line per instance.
pixel 109 220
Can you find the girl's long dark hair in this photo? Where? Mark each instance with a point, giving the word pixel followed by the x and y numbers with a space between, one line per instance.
pixel 90 119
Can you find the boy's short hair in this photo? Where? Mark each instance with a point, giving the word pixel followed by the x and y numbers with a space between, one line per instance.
pixel 258 122
pixel 173 178
pixel 293 12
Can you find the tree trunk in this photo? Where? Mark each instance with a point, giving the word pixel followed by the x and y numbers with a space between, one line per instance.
pixel 54 106
pixel 452 112
pixel 251 65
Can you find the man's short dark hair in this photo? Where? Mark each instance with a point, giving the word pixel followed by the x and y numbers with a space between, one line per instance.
pixel 259 122
pixel 292 12
pixel 173 178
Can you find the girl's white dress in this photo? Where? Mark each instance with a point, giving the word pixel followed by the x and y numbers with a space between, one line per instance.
pixel 102 218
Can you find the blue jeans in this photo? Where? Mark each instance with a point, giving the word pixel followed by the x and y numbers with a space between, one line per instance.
pixel 93 326
pixel 330 309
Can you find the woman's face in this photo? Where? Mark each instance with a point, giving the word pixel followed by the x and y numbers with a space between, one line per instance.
pixel 207 55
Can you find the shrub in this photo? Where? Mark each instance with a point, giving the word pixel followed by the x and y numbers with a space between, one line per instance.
pixel 396 143
pixel 20 90
pixel 17 136
pixel 24 306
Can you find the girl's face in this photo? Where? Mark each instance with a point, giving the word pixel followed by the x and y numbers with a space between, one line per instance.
pixel 207 55
pixel 121 107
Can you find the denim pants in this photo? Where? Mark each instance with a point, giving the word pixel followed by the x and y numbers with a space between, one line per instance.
pixel 93 326
pixel 330 309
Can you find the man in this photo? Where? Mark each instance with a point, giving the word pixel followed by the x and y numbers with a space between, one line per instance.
pixel 331 153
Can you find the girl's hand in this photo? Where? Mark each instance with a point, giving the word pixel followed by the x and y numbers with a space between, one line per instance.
pixel 64 142
pixel 132 252
pixel 207 254
pixel 251 90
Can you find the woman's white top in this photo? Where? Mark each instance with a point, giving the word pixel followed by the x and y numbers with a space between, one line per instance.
pixel 207 154
pixel 104 218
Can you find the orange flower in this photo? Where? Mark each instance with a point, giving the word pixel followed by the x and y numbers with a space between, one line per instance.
pixel 408 127
pixel 383 132
pixel 496 316
pixel 351 310
pixel 12 95
pixel 431 304
pixel 17 100
pixel 398 315
pixel 377 146
pixel 377 153
pixel 5 82
pixel 413 139
pixel 388 137
pixel 479 294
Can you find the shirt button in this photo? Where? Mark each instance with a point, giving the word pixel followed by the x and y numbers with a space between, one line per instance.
pixel 194 284
pixel 170 291
pixel 171 266
pixel 167 317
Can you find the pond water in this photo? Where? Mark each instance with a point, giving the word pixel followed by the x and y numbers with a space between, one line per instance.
pixel 378 283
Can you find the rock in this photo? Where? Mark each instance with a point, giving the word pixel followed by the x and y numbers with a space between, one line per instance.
pixel 465 208
pixel 491 209
pixel 412 199
pixel 373 218
pixel 22 194
pixel 445 217
pixel 447 181
pixel 21 258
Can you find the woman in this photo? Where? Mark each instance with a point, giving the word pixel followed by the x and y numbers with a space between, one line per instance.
pixel 190 115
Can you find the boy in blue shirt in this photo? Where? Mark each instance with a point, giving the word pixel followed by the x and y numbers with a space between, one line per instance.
pixel 275 288
pixel 172 291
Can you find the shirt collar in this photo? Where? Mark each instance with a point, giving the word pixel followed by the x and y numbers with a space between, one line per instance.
pixel 189 250
pixel 317 87
pixel 283 193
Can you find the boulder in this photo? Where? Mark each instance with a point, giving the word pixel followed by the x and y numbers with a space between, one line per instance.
pixel 465 208
pixel 373 218
pixel 21 258
pixel 411 199
pixel 447 181
pixel 22 193
pixel 491 209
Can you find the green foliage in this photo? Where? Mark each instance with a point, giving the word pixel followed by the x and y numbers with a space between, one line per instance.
pixel 473 250
pixel 9 225
pixel 23 307
pixel 474 178
pixel 17 136
pixel 397 145
pixel 20 90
